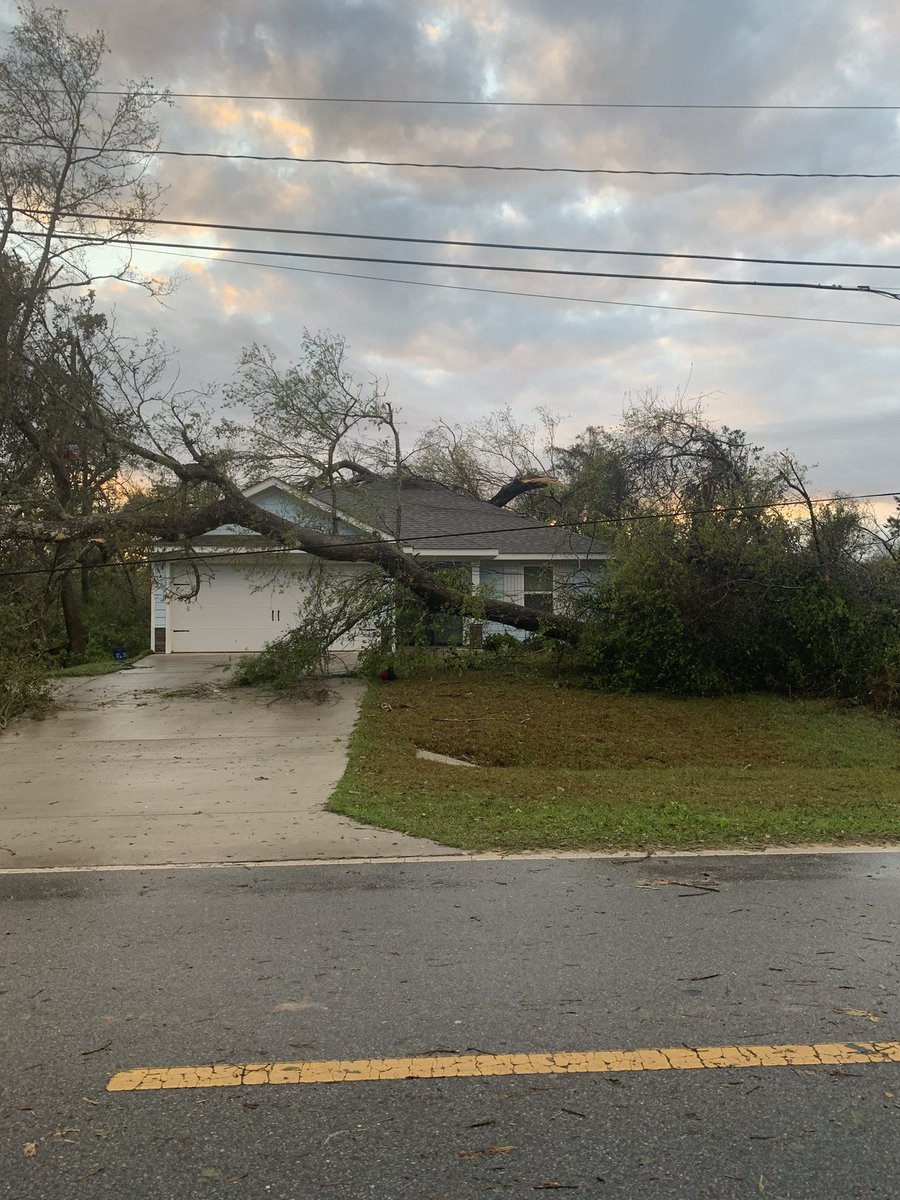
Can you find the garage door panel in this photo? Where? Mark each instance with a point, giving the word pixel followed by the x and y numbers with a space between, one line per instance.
pixel 231 612
pixel 226 614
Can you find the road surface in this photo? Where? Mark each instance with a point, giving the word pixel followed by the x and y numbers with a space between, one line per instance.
pixel 480 968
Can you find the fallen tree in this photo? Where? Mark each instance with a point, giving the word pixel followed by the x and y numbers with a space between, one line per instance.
pixel 234 509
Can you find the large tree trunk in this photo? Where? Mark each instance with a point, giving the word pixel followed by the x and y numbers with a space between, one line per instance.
pixel 71 606
pixel 236 510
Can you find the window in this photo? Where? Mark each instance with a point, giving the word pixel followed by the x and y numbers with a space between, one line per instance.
pixel 539 587
pixel 436 629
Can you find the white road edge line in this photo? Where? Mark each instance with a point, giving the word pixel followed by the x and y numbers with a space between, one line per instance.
pixel 486 856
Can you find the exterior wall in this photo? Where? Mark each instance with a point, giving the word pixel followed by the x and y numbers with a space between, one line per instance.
pixel 570 580
pixel 507 581
pixel 276 501
pixel 158 608
pixel 282 504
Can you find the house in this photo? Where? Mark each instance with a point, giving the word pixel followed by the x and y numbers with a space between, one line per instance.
pixel 230 601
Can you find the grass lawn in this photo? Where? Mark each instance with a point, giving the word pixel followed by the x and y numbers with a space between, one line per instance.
pixel 563 768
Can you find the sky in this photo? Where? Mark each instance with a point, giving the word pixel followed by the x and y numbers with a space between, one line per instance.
pixel 827 391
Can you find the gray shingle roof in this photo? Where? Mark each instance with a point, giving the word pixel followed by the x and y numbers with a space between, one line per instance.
pixel 430 508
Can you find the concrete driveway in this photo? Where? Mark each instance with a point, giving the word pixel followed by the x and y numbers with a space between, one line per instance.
pixel 161 764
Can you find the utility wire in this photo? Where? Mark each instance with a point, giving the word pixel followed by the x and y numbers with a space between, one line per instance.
pixel 421 241
pixel 461 287
pixel 99 240
pixel 451 166
pixel 430 537
pixel 586 104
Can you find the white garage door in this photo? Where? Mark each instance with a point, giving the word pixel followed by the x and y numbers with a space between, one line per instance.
pixel 229 615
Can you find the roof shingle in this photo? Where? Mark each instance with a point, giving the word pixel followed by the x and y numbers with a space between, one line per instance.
pixel 434 517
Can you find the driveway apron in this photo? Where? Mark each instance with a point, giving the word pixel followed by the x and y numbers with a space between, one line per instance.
pixel 161 763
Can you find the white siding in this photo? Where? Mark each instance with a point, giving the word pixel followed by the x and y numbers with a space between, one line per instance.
pixel 507 582
pixel 571 580
pixel 157 600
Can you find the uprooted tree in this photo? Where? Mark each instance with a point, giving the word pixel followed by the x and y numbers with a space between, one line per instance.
pixel 100 459
pixel 738 529
pixel 306 423
pixel 728 573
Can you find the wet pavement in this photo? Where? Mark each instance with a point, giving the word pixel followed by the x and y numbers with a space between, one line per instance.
pixel 110 972
pixel 161 763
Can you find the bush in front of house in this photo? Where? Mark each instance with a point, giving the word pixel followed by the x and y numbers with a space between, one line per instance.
pixel 744 602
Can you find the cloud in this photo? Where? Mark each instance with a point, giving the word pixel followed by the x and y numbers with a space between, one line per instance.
pixel 828 391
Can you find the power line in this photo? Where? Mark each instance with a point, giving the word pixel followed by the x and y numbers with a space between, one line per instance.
pixel 450 166
pixel 574 104
pixel 461 287
pixel 97 240
pixel 429 537
pixel 421 241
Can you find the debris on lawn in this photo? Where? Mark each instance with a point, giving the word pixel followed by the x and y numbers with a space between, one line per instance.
pixel 447 761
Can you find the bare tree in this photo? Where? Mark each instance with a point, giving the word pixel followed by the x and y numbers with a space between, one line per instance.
pixel 68 154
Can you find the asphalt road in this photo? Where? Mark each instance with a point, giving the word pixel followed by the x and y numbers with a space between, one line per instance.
pixel 105 972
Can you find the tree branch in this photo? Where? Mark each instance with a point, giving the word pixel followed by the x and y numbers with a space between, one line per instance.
pixel 519 486
pixel 237 510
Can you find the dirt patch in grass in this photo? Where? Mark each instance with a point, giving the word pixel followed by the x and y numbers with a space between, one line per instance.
pixel 559 767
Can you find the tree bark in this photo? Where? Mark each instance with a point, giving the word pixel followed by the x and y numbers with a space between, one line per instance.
pixel 71 607
pixel 518 487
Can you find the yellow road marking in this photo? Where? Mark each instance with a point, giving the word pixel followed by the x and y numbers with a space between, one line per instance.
pixel 465 1066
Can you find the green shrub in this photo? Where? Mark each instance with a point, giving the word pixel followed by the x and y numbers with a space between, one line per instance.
pixel 24 688
pixel 715 606
pixel 284 663
pixel 501 643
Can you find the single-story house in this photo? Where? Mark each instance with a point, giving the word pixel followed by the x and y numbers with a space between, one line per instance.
pixel 239 606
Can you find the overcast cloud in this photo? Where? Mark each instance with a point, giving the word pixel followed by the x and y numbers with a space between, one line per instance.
pixel 827 391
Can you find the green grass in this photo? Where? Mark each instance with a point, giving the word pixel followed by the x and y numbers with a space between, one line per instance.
pixel 564 768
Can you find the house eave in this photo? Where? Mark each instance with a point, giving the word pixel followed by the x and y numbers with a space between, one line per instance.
pixel 553 557
pixel 229 546
pixel 449 552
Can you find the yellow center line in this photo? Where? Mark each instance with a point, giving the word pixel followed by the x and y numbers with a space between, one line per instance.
pixel 481 1066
